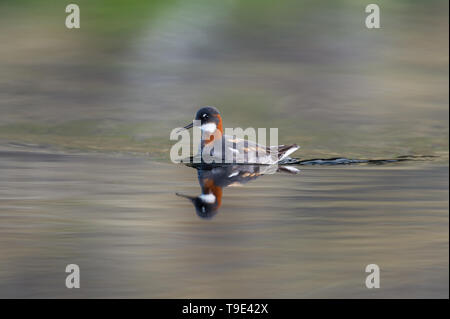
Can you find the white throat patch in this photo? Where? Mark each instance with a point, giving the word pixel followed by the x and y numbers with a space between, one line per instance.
pixel 209 128
pixel 208 198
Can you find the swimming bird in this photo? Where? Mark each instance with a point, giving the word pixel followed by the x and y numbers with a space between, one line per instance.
pixel 220 148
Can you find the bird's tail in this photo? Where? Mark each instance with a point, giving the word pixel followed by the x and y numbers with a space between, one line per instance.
pixel 285 150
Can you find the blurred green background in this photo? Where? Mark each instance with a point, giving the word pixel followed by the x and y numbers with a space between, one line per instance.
pixel 137 69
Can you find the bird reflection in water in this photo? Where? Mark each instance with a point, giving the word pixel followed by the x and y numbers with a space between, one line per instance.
pixel 213 179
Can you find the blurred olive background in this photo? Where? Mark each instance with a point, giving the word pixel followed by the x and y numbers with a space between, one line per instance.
pixel 137 69
pixel 85 175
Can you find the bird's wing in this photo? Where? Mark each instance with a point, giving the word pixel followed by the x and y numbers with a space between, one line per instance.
pixel 246 146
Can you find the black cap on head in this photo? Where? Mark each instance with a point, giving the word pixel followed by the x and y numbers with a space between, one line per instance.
pixel 203 209
pixel 208 114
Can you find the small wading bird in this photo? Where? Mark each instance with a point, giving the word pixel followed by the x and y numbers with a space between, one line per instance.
pixel 213 180
pixel 221 148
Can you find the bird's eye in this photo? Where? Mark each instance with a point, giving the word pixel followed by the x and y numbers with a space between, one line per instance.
pixel 205 116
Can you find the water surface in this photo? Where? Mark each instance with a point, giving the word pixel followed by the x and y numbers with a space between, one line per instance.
pixel 304 235
pixel 85 175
